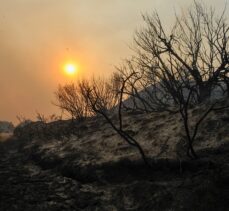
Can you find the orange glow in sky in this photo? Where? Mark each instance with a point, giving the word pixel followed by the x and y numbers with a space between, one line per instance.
pixel 46 43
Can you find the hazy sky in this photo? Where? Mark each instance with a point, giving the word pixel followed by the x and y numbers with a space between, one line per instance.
pixel 38 36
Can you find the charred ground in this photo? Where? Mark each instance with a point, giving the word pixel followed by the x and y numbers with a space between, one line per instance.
pixel 89 167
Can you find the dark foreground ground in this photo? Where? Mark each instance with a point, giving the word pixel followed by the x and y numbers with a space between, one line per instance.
pixel 30 183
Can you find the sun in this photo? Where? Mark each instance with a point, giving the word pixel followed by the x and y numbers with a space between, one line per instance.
pixel 70 69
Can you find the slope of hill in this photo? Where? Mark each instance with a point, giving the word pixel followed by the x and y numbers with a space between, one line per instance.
pixel 87 166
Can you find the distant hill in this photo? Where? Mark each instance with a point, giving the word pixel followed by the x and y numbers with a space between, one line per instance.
pixel 150 97
pixel 6 127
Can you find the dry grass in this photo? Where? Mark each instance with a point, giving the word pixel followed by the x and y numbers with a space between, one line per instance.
pixel 161 135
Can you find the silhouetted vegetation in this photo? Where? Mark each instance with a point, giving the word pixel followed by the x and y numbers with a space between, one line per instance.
pixel 70 99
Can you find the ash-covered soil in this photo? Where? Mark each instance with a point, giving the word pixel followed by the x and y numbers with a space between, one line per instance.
pixel 93 169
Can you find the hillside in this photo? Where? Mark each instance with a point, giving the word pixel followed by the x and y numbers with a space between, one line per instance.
pixel 87 166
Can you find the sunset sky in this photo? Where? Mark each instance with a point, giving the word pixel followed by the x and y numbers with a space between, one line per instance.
pixel 39 37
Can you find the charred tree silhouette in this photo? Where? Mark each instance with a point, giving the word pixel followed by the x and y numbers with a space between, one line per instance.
pixel 172 71
pixel 192 131
pixel 70 99
pixel 105 98
pixel 195 52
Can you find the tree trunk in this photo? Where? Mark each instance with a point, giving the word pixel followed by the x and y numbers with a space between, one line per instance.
pixel 204 90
